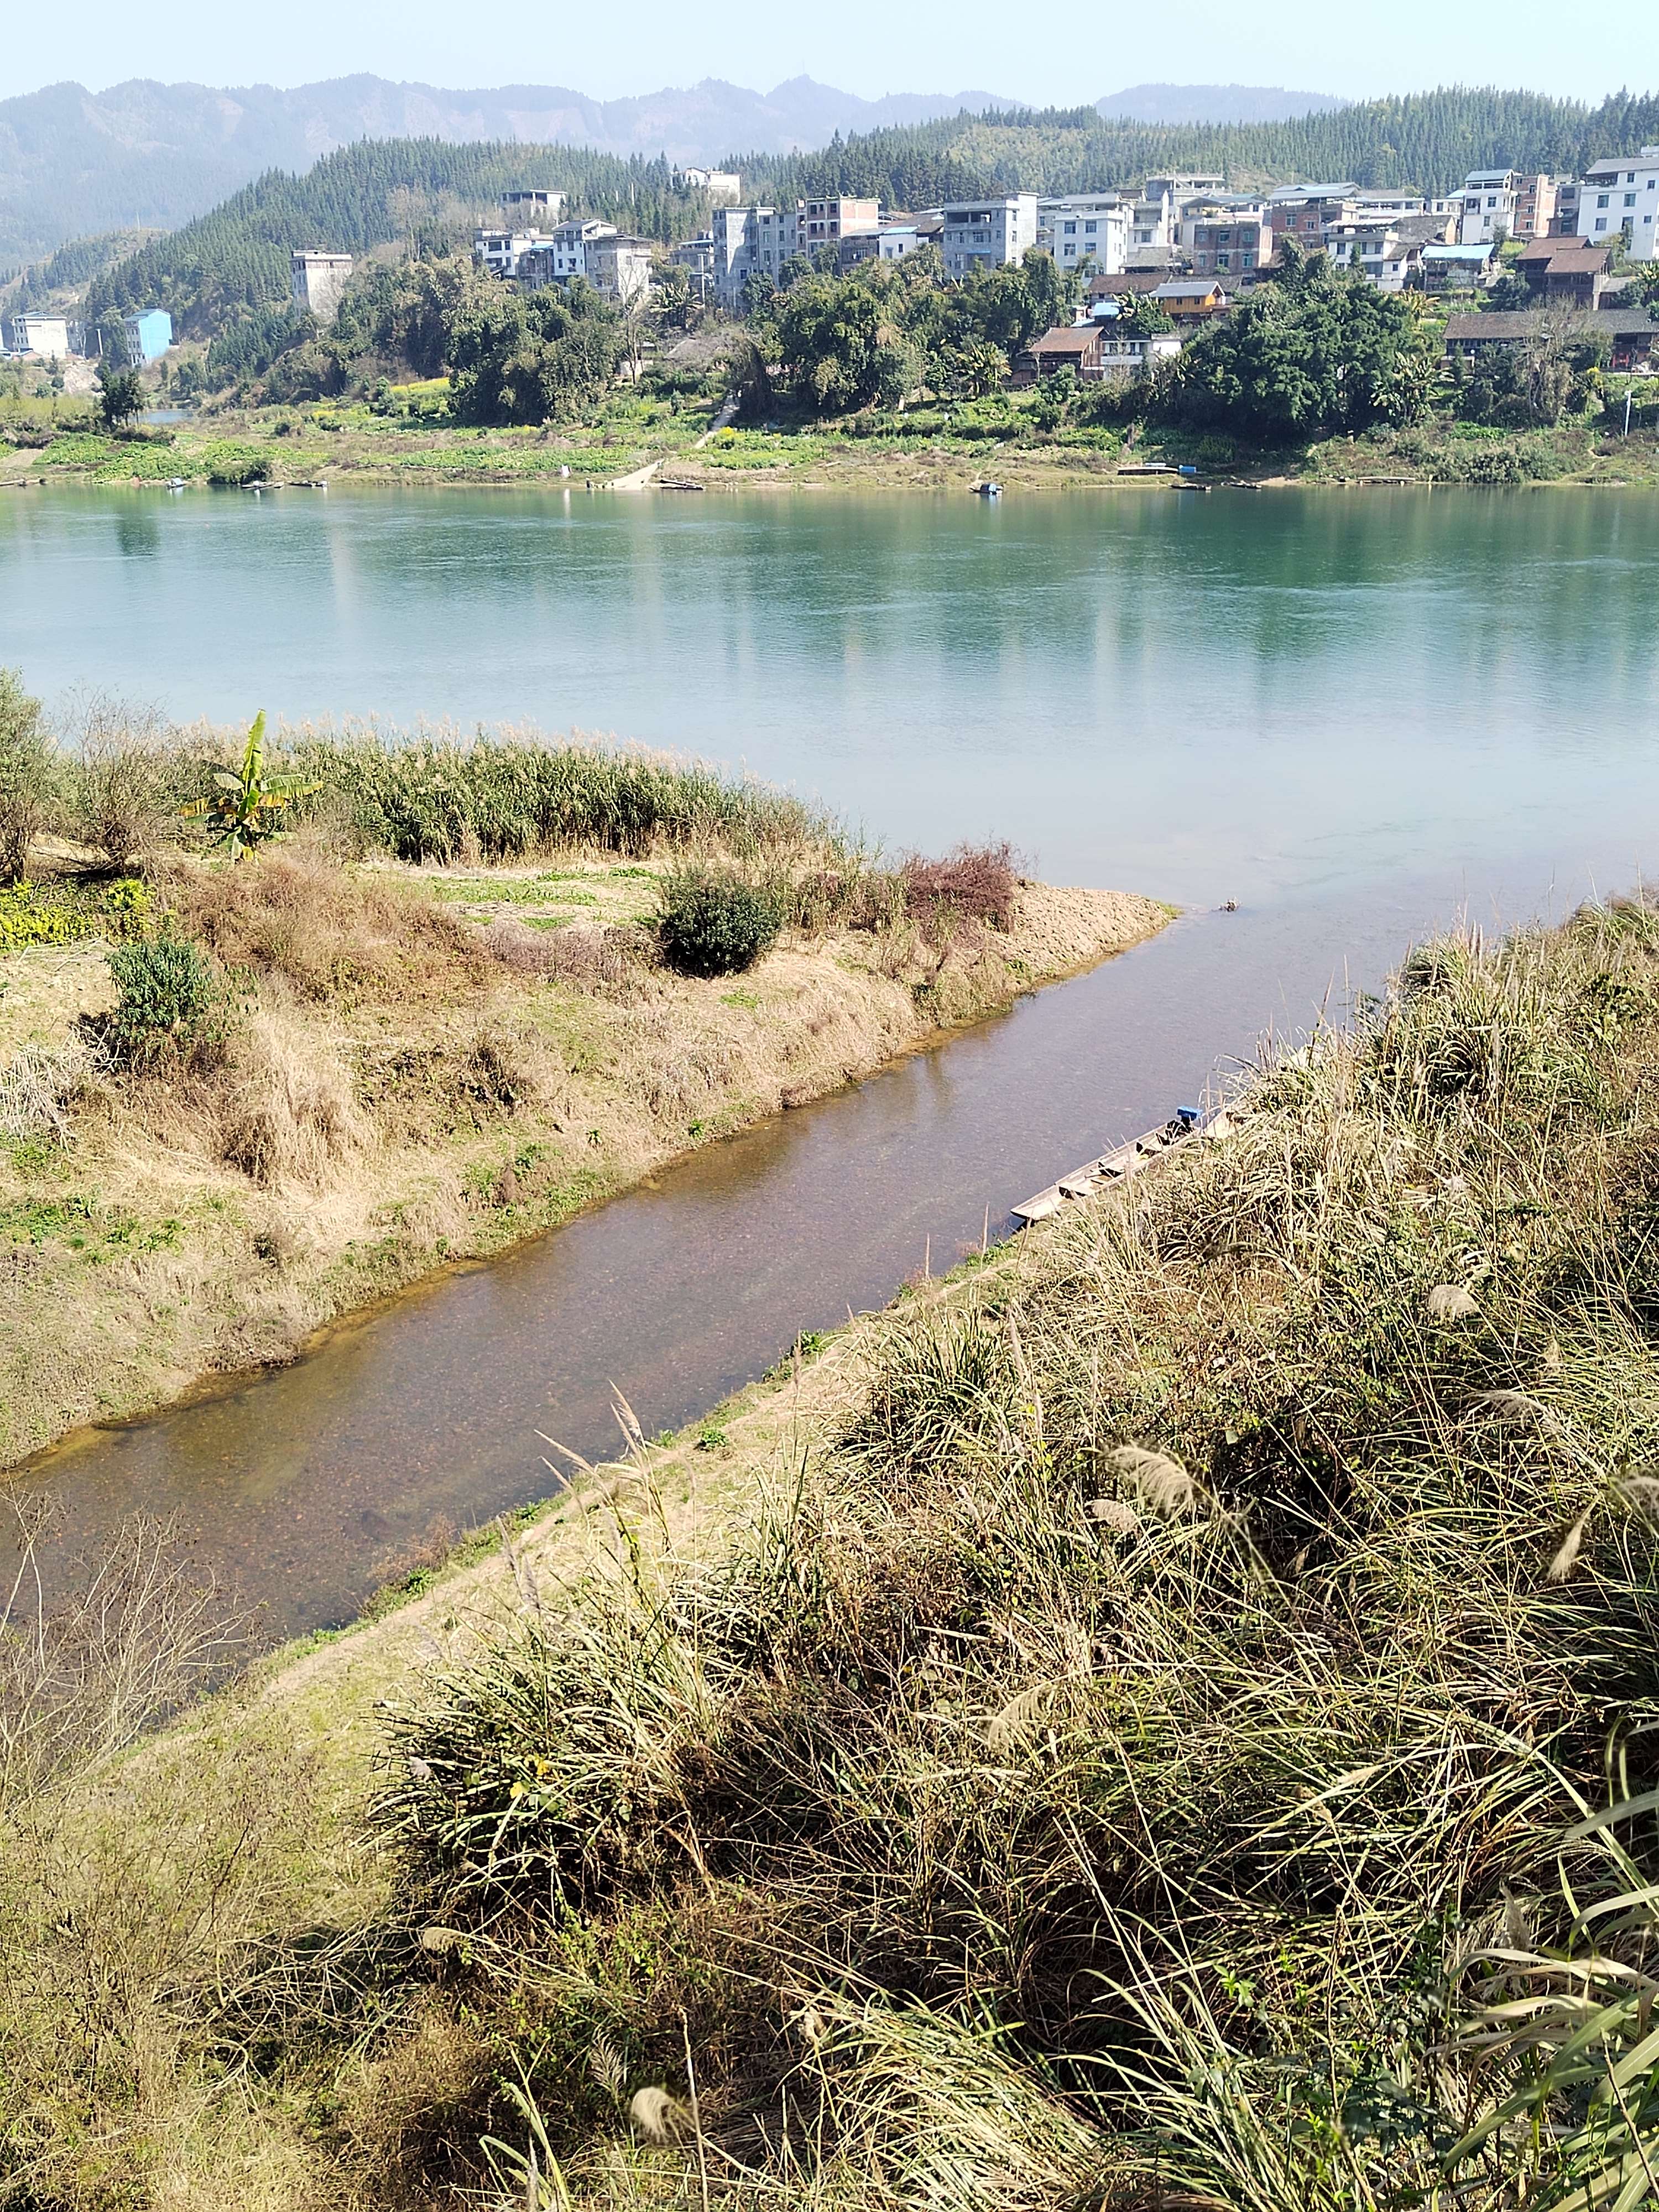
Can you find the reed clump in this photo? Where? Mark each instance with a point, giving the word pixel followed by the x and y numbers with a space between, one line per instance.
pixel 512 794
pixel 1165 1748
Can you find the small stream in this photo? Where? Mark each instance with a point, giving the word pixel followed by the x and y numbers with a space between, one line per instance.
pixel 305 1487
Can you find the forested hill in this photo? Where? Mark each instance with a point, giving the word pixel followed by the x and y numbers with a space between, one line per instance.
pixel 236 257
pixel 416 189
pixel 1429 140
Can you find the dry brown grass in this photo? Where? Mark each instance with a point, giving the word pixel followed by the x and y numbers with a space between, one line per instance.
pixel 396 1094
pixel 291 1114
pixel 323 930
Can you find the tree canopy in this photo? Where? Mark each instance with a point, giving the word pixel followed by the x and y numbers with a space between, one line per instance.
pixel 1315 353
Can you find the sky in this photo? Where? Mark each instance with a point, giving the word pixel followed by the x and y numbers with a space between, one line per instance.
pixel 1080 49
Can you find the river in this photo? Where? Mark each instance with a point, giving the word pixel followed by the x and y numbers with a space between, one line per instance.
pixel 1355 714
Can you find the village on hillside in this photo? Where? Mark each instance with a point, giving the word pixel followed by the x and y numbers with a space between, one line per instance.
pixel 1183 245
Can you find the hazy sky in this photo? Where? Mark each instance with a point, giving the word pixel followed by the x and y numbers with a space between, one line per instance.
pixel 1078 49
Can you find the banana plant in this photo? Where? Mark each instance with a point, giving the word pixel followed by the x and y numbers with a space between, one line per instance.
pixel 240 811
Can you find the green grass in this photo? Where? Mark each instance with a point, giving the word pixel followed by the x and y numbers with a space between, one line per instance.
pixel 509 800
pixel 1126 1753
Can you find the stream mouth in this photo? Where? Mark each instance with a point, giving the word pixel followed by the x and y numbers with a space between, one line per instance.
pixel 307 1487
pixel 1355 716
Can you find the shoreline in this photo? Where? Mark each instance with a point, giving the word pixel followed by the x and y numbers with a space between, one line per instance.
pixel 252 1280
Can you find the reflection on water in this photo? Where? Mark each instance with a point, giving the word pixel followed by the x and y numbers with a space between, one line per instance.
pixel 1248 695
pixel 1352 713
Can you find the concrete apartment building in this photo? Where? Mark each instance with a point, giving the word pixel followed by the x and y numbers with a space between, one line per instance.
pixel 620 266
pixel 1087 227
pixel 722 186
pixel 532 200
pixel 1226 236
pixel 987 233
pixel 554 258
pixel 1622 194
pixel 1488 200
pixel 1305 212
pixel 827 221
pixel 48 337
pixel 316 278
pixel 500 250
pixel 750 242
pixel 1387 249
pixel 898 237
pixel 1534 205
pixel 149 333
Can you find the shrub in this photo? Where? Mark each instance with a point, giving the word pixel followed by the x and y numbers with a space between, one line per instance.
pixel 714 922
pixel 977 883
pixel 28 918
pixel 126 783
pixel 233 465
pixel 25 773
pixel 169 1002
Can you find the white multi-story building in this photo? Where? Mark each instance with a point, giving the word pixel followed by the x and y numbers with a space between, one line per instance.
pixel 987 233
pixel 48 337
pixel 556 256
pixel 1488 200
pixel 501 250
pixel 1086 227
pixel 619 266
pixel 1388 252
pixel 752 241
pixel 720 185
pixel 316 280
pixel 1622 194
pixel 533 200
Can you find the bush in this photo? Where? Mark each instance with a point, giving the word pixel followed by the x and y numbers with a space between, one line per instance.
pixel 28 918
pixel 714 922
pixel 25 773
pixel 169 1003
pixel 977 883
pixel 233 465
pixel 127 784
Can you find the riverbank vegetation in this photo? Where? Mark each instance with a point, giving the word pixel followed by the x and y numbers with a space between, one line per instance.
pixel 887 376
pixel 486 982
pixel 1164 1716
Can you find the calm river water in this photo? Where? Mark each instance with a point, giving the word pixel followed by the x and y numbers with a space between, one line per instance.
pixel 1354 713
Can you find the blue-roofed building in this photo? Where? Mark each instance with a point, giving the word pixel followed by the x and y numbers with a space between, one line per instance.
pixel 1459 268
pixel 149 333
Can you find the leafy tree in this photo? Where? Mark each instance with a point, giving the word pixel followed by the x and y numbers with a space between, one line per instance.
pixel 841 349
pixel 1510 295
pixel 120 396
pixel 756 294
pixel 26 773
pixel 529 357
pixel 1141 316
pixel 1313 354
pixel 977 369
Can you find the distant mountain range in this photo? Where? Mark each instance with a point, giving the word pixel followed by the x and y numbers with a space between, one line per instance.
pixel 1214 103
pixel 75 163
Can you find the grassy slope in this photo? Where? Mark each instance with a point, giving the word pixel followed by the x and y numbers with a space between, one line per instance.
pixel 1115 1727
pixel 397 1099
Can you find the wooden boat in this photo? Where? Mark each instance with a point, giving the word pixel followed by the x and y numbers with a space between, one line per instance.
pixel 1123 1161
pixel 987 491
